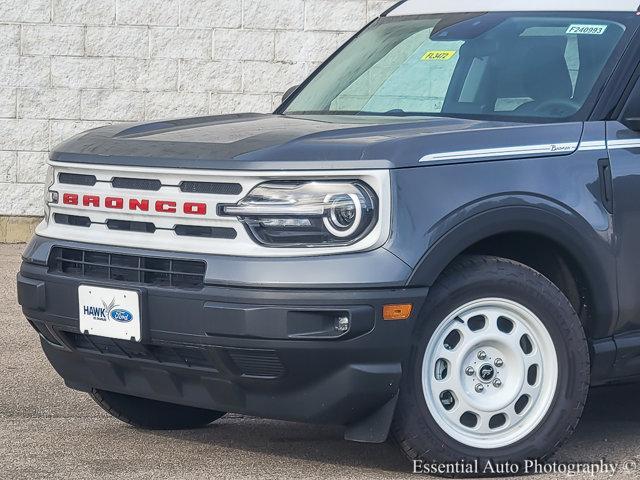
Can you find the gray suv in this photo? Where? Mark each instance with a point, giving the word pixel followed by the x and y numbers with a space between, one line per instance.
pixel 436 235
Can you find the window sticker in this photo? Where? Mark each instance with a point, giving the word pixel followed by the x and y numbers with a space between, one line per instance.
pixel 439 55
pixel 586 29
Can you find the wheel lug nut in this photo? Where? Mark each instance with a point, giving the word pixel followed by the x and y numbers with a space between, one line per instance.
pixel 499 362
pixel 470 371
pixel 479 388
pixel 497 383
pixel 482 355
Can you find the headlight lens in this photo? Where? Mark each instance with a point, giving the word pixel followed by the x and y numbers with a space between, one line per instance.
pixel 307 214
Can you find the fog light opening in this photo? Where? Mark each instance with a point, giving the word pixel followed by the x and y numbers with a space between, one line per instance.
pixel 343 324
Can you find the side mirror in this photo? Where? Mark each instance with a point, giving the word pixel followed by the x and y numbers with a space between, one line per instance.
pixel 288 93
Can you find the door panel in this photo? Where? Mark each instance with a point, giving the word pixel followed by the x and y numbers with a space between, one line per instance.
pixel 624 154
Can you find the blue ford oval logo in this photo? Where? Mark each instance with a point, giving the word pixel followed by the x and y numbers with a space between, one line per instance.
pixel 122 316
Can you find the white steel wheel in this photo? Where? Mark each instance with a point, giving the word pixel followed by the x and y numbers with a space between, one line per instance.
pixel 490 373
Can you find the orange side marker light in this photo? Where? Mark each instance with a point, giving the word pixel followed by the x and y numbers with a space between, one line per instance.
pixel 397 312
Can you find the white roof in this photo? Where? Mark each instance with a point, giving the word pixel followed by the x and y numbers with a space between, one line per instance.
pixel 423 7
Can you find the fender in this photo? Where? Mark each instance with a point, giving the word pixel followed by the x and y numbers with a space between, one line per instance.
pixel 589 248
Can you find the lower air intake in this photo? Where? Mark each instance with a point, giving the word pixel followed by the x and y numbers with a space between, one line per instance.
pixel 152 271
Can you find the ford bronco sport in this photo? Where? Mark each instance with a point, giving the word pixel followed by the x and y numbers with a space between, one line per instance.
pixel 436 235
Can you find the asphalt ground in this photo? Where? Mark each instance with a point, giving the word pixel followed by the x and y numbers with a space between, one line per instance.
pixel 50 432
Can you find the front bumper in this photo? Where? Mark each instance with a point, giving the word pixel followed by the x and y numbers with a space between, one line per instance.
pixel 256 351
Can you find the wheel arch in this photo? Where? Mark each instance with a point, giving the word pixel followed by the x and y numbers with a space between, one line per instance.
pixel 576 257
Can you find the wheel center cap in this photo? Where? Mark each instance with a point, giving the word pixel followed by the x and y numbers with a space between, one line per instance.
pixel 486 373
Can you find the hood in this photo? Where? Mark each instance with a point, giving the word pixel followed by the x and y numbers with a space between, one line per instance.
pixel 277 142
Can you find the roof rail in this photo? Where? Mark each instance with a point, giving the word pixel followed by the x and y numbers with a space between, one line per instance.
pixel 426 7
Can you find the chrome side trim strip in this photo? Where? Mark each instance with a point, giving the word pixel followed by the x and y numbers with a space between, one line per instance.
pixel 593 145
pixel 558 148
pixel 620 144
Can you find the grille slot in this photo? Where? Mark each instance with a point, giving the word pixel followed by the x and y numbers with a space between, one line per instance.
pixel 72 220
pixel 181 356
pixel 211 188
pixel 137 184
pixel 257 363
pixel 127 226
pixel 75 179
pixel 158 272
pixel 205 232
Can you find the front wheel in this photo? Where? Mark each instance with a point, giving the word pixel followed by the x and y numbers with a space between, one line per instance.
pixel 499 370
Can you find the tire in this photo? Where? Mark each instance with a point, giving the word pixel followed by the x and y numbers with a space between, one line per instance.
pixel 474 290
pixel 151 414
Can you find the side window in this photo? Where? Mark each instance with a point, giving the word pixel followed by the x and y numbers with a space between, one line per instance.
pixel 631 111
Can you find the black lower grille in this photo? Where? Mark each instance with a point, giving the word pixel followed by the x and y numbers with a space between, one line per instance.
pixel 181 356
pixel 157 272
pixel 248 362
pixel 257 363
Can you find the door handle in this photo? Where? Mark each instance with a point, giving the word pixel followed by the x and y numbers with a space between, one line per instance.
pixel 606 184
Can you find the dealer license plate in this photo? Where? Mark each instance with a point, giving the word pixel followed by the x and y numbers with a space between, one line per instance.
pixel 106 312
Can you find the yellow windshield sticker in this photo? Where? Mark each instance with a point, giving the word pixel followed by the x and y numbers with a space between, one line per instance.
pixel 439 55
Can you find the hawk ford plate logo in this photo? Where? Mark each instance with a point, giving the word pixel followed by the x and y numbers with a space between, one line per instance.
pixel 108 310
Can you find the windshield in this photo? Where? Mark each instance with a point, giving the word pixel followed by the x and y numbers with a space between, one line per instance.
pixel 493 65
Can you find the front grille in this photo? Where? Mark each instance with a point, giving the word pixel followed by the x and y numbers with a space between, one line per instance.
pixel 182 356
pixel 157 272
pixel 156 210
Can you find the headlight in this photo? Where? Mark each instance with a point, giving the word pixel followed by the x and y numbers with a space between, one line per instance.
pixel 307 214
